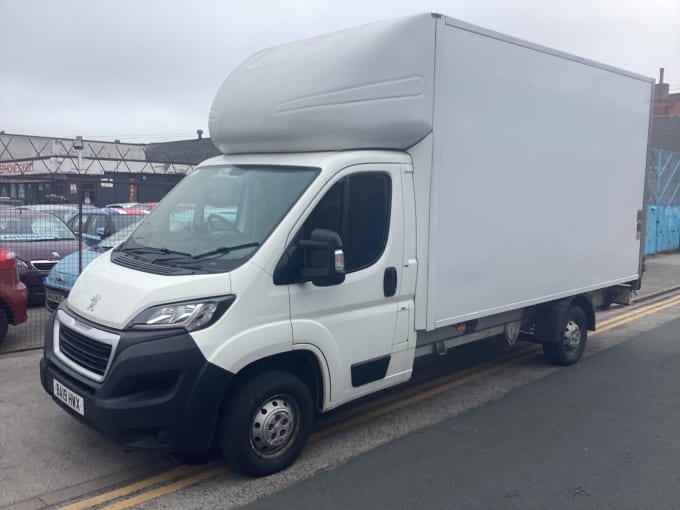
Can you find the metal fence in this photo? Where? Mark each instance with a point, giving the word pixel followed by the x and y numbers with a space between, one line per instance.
pixel 69 177
pixel 663 211
pixel 43 249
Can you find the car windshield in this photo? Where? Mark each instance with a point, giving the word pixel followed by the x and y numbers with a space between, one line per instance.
pixel 125 220
pixel 218 216
pixel 32 227
pixel 117 238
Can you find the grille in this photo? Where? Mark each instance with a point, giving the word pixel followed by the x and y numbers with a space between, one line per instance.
pixel 86 352
pixel 43 265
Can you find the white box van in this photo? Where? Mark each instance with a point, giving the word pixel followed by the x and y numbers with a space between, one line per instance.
pixel 384 192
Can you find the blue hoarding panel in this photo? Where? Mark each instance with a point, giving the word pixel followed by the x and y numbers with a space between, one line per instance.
pixel 663 229
pixel 650 238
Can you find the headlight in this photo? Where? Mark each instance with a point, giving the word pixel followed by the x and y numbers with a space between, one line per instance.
pixel 21 265
pixel 192 315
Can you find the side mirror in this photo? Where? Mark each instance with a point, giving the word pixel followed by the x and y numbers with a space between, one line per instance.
pixel 324 260
pixel 101 232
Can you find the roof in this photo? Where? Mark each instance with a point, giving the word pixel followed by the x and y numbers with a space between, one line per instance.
pixel 665 133
pixel 186 152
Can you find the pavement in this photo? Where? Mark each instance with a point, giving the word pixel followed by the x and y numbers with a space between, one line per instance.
pixel 601 434
pixel 661 275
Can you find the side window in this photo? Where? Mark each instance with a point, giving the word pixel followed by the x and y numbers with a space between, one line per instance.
pixel 358 208
pixel 97 221
pixel 73 222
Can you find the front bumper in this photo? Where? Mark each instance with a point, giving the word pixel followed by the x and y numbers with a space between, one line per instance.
pixel 159 391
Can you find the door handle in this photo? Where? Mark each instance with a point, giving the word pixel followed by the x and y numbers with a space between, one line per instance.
pixel 390 281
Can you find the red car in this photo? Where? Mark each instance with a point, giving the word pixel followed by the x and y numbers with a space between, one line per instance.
pixel 13 294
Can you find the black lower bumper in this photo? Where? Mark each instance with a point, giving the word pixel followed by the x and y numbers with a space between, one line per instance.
pixel 159 392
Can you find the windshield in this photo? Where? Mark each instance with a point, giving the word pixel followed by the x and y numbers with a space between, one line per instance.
pixel 218 216
pixel 125 220
pixel 117 238
pixel 32 227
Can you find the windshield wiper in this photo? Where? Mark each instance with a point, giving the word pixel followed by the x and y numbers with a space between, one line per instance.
pixel 225 249
pixel 212 253
pixel 149 249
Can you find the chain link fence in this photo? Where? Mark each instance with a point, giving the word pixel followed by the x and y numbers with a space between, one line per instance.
pixel 43 249
pixel 663 211
pixel 53 193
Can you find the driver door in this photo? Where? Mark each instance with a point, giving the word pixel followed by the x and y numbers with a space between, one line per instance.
pixel 354 323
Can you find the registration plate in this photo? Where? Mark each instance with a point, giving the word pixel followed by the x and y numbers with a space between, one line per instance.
pixel 73 400
pixel 54 297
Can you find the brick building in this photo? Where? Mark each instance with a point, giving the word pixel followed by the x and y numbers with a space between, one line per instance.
pixel 666 104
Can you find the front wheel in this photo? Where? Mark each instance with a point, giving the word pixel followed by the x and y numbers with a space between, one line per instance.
pixel 266 423
pixel 569 347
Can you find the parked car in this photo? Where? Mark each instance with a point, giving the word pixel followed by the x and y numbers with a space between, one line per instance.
pixel 132 207
pixel 100 224
pixel 63 275
pixel 39 240
pixel 13 295
pixel 10 202
pixel 62 211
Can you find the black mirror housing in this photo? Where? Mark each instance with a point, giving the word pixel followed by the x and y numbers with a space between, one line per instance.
pixel 324 260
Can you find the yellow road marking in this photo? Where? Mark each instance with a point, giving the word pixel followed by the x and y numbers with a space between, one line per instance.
pixel 166 489
pixel 420 396
pixel 201 476
pixel 406 392
pixel 637 311
pixel 356 418
pixel 641 313
pixel 134 487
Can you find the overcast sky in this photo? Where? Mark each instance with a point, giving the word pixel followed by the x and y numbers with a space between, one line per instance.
pixel 147 71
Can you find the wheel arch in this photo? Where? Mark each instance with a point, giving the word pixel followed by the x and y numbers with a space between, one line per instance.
pixel 549 316
pixel 302 363
pixel 585 302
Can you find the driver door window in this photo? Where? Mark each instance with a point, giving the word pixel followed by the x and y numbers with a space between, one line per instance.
pixel 358 209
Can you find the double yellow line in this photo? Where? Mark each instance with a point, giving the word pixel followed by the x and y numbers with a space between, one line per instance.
pixel 185 476
pixel 635 314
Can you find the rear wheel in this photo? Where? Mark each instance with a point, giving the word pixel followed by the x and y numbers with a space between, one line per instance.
pixel 570 345
pixel 266 423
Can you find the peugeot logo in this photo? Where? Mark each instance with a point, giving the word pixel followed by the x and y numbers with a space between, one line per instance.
pixel 55 254
pixel 93 302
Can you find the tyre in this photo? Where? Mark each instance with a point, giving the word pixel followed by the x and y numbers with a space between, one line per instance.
pixel 569 347
pixel 266 423
pixel 4 325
